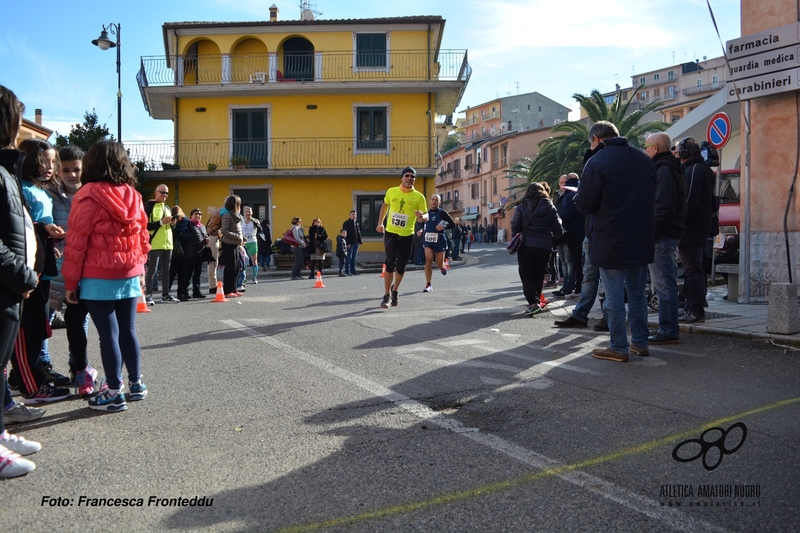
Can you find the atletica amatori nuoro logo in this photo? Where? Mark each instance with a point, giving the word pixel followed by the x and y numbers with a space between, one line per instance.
pixel 681 452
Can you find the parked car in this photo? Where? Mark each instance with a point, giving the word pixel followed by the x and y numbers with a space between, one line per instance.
pixel 729 200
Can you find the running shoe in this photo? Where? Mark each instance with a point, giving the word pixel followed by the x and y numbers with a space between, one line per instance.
pixel 84 381
pixel 106 402
pixel 385 302
pixel 534 310
pixel 169 299
pixel 51 376
pixel 20 413
pixel 18 444
pixel 46 393
pixel 428 288
pixel 12 465
pixel 232 294
pixel 444 271
pixel 149 301
pixel 255 281
pixel 137 390
pixel 394 295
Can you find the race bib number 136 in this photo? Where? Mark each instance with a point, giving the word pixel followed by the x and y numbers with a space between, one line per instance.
pixel 399 220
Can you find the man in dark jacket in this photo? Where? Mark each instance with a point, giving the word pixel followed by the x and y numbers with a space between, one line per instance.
pixel 699 196
pixel 353 242
pixel 670 223
pixel 574 222
pixel 617 191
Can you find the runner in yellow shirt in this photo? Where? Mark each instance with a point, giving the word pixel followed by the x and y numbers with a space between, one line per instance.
pixel 404 205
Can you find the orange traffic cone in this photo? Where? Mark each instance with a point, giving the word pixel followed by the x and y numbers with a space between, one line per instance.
pixel 318 284
pixel 383 271
pixel 141 307
pixel 542 300
pixel 219 297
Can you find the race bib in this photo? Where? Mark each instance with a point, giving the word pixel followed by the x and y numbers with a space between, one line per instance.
pixel 399 220
pixel 431 237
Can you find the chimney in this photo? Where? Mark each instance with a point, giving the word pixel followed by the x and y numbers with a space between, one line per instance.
pixel 273 13
pixel 37 116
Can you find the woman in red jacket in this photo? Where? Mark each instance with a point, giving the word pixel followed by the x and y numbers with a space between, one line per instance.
pixel 106 250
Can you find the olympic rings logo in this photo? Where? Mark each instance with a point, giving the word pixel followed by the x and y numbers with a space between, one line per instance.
pixel 706 446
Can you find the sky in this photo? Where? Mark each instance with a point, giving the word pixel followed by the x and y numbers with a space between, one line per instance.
pixel 514 47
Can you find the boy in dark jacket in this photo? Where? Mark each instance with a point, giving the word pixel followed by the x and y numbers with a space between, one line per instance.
pixel 341 251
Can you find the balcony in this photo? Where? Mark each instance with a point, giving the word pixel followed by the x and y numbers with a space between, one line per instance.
pixel 706 87
pixel 279 154
pixel 490 116
pixel 163 78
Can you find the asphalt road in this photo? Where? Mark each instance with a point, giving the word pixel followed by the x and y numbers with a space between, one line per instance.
pixel 299 409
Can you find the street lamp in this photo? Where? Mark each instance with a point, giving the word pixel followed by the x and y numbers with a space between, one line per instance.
pixel 104 43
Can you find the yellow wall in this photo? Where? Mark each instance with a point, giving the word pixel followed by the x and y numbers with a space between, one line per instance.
pixel 290 118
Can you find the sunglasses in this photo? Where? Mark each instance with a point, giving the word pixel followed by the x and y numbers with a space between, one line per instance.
pixel 163 192
pixel 409 176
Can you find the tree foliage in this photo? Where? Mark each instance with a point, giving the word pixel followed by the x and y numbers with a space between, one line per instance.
pixel 449 143
pixel 562 154
pixel 86 134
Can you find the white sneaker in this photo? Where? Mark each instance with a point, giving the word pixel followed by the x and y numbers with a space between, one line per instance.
pixel 18 444
pixel 12 465
pixel 255 281
pixel 428 288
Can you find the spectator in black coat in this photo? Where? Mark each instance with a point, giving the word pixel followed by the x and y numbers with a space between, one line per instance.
pixel 699 205
pixel 574 222
pixel 617 192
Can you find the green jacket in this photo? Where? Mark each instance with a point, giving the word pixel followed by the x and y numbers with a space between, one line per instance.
pixel 160 236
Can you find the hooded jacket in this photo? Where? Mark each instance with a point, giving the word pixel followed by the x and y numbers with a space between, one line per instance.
pixel 108 237
pixel 670 197
pixel 617 191
pixel 543 223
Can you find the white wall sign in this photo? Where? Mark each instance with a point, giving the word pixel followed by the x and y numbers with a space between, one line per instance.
pixel 778 82
pixel 757 43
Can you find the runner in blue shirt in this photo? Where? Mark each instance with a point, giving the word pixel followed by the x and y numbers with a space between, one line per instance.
pixel 434 241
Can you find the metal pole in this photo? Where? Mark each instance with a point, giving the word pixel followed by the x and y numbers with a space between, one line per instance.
pixel 744 240
pixel 119 86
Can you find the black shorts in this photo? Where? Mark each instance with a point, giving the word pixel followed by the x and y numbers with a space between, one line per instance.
pixel 398 250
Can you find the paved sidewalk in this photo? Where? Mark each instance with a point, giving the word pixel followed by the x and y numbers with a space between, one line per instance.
pixel 746 321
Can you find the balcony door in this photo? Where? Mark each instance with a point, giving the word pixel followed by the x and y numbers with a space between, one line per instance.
pixel 250 141
pixel 298 60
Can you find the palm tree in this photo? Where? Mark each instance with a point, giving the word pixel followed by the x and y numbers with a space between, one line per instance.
pixel 563 154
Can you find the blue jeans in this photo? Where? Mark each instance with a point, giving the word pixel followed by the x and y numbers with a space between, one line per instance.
pixel 615 282
pixel 456 243
pixel 591 281
pixel 263 259
pixel 566 267
pixel 664 276
pixel 115 321
pixel 352 256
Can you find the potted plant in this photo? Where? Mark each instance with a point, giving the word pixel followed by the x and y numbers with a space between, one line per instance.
pixel 468 166
pixel 212 167
pixel 239 161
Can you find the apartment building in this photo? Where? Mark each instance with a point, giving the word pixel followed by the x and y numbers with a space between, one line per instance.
pixel 531 111
pixel 307 118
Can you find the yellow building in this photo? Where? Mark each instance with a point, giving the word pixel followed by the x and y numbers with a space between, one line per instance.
pixel 307 118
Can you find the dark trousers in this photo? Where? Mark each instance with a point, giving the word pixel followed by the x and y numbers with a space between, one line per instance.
pixel 532 267
pixel 232 262
pixel 694 285
pixel 34 328
pixel 197 268
pixel 116 325
pixel 75 322
pixel 576 260
pixel 8 334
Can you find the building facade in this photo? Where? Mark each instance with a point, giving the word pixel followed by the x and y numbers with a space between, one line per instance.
pixel 531 111
pixel 307 118
pixel 473 178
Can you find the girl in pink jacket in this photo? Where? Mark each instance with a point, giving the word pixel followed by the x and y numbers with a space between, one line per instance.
pixel 105 255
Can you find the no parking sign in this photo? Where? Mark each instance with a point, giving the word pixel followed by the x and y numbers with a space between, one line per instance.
pixel 719 130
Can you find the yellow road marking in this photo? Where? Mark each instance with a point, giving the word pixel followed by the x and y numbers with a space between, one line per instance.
pixel 490 488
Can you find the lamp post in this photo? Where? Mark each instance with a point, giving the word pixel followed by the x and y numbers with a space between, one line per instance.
pixel 104 43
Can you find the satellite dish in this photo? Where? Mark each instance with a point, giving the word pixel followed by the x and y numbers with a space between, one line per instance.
pixel 704 58
pixel 557 121
pixel 308 13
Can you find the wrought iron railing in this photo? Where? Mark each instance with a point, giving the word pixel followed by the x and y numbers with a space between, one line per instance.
pixel 279 154
pixel 219 69
pixel 706 87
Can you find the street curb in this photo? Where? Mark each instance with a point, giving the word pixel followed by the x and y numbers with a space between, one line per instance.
pixel 737 334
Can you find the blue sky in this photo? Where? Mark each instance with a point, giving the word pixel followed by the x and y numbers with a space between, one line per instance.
pixel 555 48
